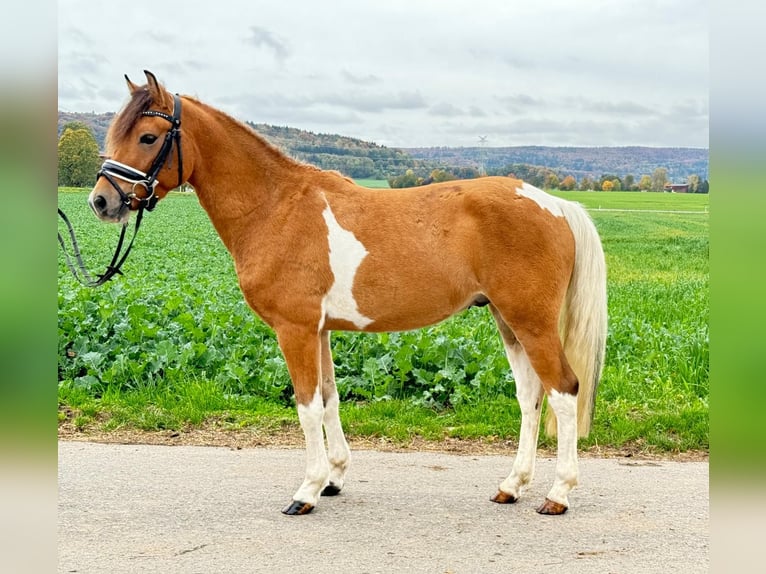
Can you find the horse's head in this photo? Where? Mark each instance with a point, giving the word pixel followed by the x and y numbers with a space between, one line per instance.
pixel 145 153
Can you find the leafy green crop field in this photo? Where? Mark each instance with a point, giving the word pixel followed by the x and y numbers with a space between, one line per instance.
pixel 172 345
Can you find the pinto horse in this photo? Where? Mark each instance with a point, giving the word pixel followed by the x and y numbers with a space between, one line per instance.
pixel 314 253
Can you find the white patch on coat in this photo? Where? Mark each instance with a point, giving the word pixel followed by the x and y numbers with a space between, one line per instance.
pixel 317 465
pixel 336 442
pixel 541 198
pixel 565 407
pixel 346 254
pixel 529 394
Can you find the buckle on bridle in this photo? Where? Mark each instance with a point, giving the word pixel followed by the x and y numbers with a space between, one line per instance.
pixel 149 199
pixel 111 169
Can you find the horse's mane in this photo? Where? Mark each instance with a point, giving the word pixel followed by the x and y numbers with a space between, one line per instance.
pixel 128 116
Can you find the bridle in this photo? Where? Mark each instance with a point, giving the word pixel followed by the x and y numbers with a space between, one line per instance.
pixel 111 169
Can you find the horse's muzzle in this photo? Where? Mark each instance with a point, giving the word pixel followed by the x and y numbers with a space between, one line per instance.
pixel 108 209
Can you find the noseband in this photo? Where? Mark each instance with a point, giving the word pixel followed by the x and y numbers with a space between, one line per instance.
pixel 111 169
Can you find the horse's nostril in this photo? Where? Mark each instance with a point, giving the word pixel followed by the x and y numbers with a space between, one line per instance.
pixel 100 202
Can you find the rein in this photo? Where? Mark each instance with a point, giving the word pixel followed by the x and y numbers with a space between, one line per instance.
pixel 79 271
pixel 111 169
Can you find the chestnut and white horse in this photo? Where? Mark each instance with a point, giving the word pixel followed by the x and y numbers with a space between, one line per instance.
pixel 315 253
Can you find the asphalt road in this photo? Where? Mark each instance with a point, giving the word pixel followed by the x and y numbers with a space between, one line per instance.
pixel 186 509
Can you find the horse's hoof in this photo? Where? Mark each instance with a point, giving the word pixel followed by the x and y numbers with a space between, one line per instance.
pixel 296 507
pixel 331 490
pixel 551 508
pixel 503 498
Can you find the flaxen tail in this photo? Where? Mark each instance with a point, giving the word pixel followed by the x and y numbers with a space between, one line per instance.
pixel 583 323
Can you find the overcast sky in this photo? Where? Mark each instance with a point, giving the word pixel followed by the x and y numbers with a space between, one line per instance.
pixel 408 73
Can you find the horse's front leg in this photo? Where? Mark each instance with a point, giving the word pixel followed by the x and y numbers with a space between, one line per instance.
pixel 336 441
pixel 301 349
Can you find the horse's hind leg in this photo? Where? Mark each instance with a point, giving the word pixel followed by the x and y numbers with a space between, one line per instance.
pixel 564 405
pixel 543 348
pixel 529 392
pixel 336 441
pixel 538 356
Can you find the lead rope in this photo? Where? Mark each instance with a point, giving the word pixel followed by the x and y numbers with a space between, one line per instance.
pixel 76 264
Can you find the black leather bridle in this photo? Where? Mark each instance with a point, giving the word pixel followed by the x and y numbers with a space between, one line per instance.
pixel 111 169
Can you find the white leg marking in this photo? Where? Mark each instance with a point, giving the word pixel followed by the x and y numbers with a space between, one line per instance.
pixel 544 200
pixel 346 254
pixel 529 394
pixel 565 407
pixel 336 442
pixel 317 466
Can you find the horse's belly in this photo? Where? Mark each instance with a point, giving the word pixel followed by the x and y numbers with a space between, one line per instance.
pixel 400 305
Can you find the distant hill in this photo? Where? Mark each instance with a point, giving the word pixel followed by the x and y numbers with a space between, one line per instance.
pixel 350 156
pixel 576 161
pixel 362 159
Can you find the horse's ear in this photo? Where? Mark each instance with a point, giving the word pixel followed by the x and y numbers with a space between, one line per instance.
pixel 131 86
pixel 159 95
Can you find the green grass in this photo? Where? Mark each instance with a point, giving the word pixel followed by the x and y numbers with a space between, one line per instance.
pixel 154 350
pixel 638 200
pixel 373 183
pixel 72 190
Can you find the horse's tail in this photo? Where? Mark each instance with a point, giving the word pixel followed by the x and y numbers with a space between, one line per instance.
pixel 583 322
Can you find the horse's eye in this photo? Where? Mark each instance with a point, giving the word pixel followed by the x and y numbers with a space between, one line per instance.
pixel 148 139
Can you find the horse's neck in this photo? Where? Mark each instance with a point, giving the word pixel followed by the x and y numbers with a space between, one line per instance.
pixel 237 175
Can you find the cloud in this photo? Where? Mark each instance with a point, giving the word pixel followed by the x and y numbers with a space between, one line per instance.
pixel 445 109
pixel 375 102
pixel 368 80
pixel 558 129
pixel 690 109
pixel 284 109
pixel 263 38
pixel 85 63
pixel 519 62
pixel 616 108
pixel 518 102
pixel 190 66
pixel 443 86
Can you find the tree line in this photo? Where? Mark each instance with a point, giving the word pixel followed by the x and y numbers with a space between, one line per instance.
pixel 546 178
pixel 576 161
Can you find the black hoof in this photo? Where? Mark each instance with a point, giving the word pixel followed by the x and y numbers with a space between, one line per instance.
pixel 331 490
pixel 296 507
